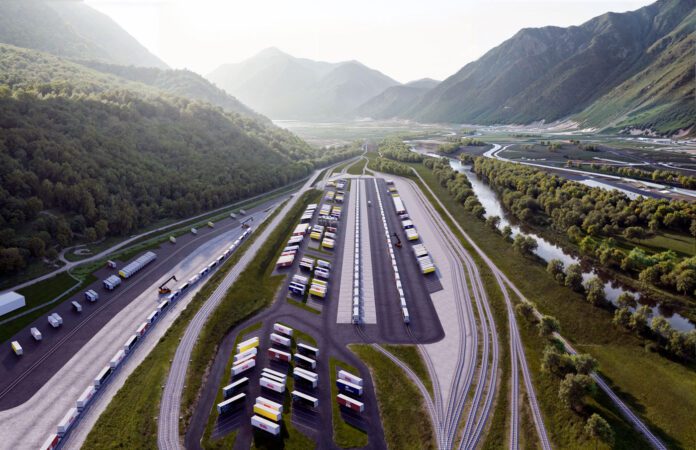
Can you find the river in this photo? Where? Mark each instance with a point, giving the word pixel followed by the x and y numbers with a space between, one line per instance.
pixel 547 250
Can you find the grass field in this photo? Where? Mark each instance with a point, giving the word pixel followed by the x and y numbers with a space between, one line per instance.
pixel 357 168
pixel 410 355
pixel 684 245
pixel 405 420
pixel 344 434
pixel 130 420
pixel 590 328
pixel 38 294
pixel 253 290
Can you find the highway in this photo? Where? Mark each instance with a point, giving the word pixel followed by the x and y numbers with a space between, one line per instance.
pixel 170 407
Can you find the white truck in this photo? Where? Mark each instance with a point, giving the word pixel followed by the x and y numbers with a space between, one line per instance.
pixel 36 334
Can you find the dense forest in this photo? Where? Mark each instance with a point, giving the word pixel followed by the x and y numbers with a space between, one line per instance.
pixel 84 155
pixel 595 219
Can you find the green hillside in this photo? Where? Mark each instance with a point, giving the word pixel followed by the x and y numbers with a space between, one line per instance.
pixel 70 29
pixel 85 154
pixel 599 70
pixel 183 83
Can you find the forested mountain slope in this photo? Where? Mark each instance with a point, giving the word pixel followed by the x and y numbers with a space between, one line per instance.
pixel 553 73
pixel 183 83
pixel 281 86
pixel 70 29
pixel 86 154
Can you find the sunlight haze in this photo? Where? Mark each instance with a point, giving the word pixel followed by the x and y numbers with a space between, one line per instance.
pixel 406 40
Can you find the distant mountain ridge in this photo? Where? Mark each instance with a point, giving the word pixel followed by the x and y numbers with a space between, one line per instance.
pixel 604 71
pixel 393 101
pixel 282 86
pixel 71 29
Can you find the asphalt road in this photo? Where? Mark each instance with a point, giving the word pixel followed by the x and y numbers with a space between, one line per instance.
pixel 21 377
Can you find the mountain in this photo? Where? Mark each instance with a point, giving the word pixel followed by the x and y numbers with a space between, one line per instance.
pixel 553 73
pixel 182 83
pixel 394 100
pixel 71 29
pixel 284 87
pixel 86 154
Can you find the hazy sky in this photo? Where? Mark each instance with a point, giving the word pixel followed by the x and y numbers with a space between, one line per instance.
pixel 405 39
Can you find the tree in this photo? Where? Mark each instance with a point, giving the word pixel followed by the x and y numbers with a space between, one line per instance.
pixel 526 310
pixel 626 300
pixel 661 327
pixel 598 429
pixel 525 245
pixel 493 222
pixel 555 362
pixel 639 319
pixel 622 317
pixel 37 247
pixel 11 260
pixel 573 277
pixel 573 390
pixel 507 232
pixel 555 269
pixel 584 364
pixel 685 281
pixel 635 233
pixel 595 291
pixel 548 325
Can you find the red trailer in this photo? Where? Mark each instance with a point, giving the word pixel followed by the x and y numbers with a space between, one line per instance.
pixel 350 403
pixel 278 355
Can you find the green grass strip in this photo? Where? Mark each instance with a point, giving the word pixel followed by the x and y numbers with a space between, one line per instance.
pixel 401 406
pixel 344 434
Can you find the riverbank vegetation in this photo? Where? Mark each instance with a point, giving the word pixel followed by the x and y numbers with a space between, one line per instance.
pixel 624 358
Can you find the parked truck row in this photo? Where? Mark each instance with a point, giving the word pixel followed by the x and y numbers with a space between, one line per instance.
pixel 267 414
pixel 390 246
pixel 105 374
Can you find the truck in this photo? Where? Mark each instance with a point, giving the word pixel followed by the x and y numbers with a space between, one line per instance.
pixel 231 403
pixel 265 425
pixel 278 355
pixel 36 334
pixel 304 399
pixel 111 282
pixel 308 350
pixel 230 389
pixel 137 265
pixel 275 386
pixel 248 344
pixel 92 296
pixel 77 306
pixel 350 403
pixel 55 320
pixel 172 239
pixel 348 387
pixel 243 367
pixel 117 359
pixel 84 398
pixel 211 225
pixel 67 421
pixel 16 348
pixel 280 340
pixel 267 412
pixel 343 375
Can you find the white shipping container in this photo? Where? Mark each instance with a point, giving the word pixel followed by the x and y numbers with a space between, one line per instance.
pixel 243 367
pixel 275 373
pixel 269 404
pixel 282 329
pixel 84 399
pixel 265 425
pixel 116 360
pixel 343 375
pixel 280 340
pixel 11 301
pixel 67 421
pixel 272 385
pixel 245 355
pixel 36 333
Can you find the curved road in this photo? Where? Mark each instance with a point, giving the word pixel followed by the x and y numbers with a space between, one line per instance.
pixel 170 408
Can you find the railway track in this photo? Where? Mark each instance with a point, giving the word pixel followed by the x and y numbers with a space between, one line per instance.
pixel 484 393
